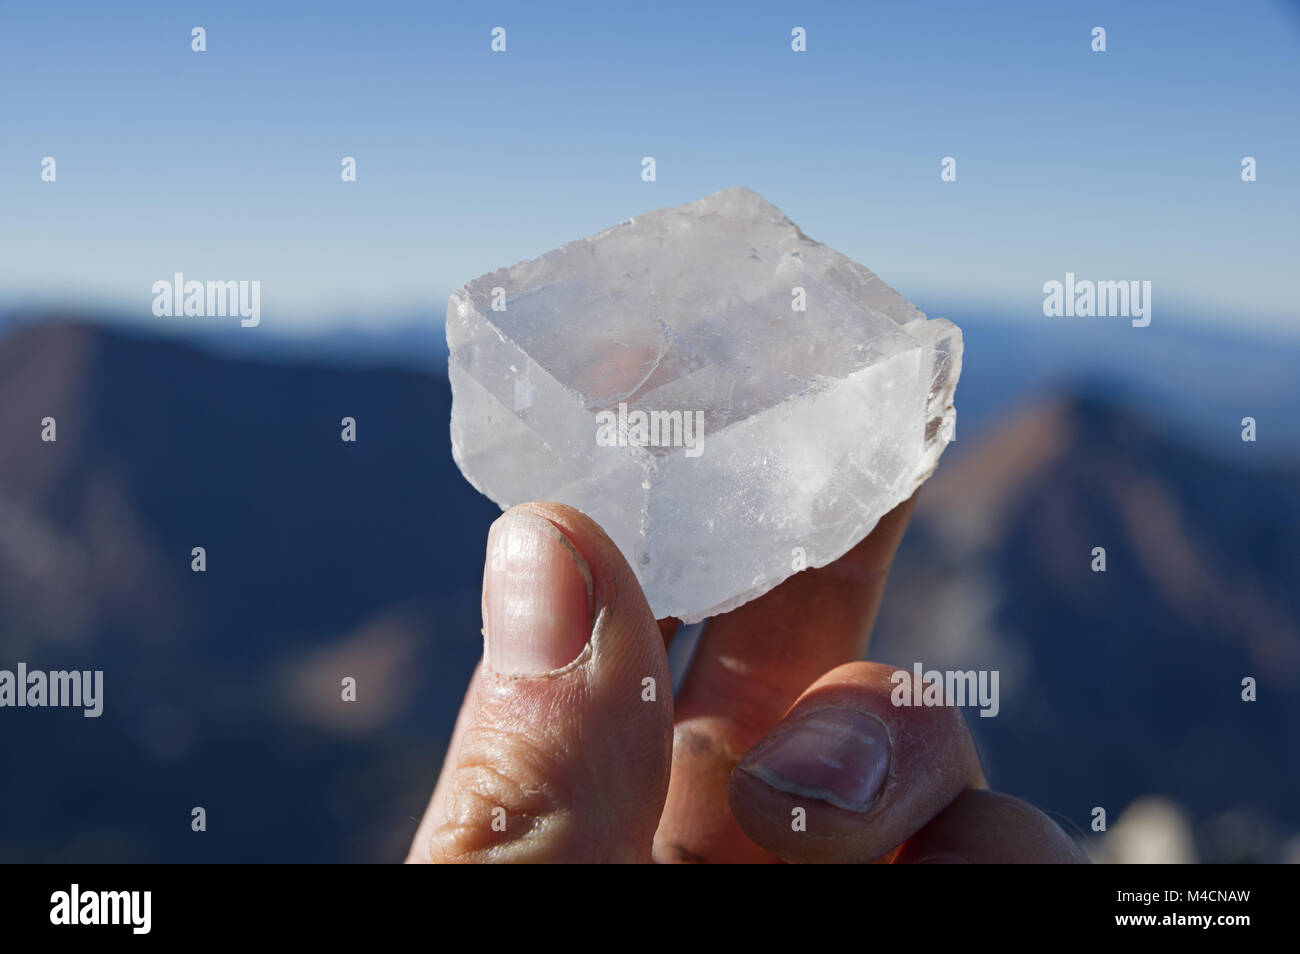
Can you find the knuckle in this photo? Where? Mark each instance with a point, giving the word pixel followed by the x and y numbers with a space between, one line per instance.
pixel 504 791
pixel 745 702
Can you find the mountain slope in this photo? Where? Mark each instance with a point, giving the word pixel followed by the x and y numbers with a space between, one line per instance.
pixel 1124 682
pixel 324 559
pixel 327 559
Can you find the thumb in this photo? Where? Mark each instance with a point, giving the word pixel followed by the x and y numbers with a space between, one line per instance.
pixel 565 738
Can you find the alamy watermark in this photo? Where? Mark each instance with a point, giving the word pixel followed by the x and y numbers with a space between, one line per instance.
pixel 1088 299
pixel 213 299
pixel 78 688
pixel 651 429
pixel 130 908
pixel 949 687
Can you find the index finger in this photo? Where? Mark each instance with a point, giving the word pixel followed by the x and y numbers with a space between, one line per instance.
pixel 751 666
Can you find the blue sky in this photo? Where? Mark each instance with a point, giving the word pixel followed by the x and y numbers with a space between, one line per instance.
pixel 225 164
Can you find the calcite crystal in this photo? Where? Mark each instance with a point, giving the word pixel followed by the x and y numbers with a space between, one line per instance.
pixel 731 400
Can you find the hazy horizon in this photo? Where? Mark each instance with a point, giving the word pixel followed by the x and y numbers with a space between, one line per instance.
pixel 225 164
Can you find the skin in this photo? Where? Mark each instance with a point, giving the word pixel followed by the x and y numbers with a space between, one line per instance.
pixel 567 761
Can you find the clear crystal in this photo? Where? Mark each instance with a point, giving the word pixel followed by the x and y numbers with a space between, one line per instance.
pixel 816 423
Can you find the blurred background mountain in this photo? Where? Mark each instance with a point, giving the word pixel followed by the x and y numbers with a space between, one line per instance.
pixel 1119 689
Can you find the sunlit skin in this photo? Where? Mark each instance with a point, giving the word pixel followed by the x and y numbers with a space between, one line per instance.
pixel 558 755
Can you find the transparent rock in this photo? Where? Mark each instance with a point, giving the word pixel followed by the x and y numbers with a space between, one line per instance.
pixel 815 422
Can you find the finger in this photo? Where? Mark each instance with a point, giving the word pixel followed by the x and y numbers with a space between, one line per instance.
pixel 848 776
pixel 566 738
pixel 668 627
pixel 433 812
pixel 750 667
pixel 983 827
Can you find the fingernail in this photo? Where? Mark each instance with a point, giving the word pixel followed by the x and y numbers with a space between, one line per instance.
pixel 537 593
pixel 834 754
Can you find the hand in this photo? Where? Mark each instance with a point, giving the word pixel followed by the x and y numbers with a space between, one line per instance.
pixel 569 748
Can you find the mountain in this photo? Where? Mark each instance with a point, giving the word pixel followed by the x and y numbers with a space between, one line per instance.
pixel 324 559
pixel 1127 682
pixel 327 559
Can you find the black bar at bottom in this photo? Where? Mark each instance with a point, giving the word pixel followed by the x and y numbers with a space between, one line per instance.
pixel 332 904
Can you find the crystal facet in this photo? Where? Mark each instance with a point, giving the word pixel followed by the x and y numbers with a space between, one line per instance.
pixel 730 400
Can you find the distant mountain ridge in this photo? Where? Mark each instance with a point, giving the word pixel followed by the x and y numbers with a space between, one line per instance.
pixel 1126 682
pixel 1199 382
pixel 326 557
pixel 219 690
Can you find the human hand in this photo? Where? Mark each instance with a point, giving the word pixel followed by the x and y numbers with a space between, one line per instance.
pixel 569 746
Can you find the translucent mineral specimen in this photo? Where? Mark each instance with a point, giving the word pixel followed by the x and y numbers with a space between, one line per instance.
pixel 729 399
